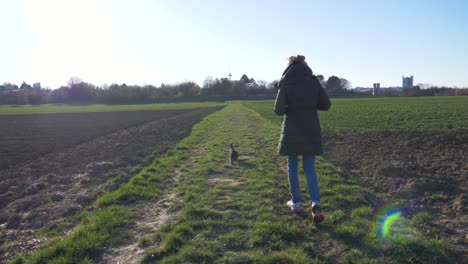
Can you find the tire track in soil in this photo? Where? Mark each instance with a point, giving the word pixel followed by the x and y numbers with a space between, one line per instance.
pixel 154 215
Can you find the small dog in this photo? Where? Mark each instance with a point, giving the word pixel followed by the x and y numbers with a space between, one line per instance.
pixel 233 154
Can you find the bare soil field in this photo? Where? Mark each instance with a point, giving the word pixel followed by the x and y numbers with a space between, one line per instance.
pixel 423 171
pixel 54 165
pixel 24 137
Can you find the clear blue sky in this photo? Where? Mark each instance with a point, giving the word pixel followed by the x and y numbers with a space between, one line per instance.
pixel 149 41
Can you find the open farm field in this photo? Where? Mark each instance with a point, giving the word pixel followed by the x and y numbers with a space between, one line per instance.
pixel 386 114
pixel 55 165
pixel 412 151
pixel 192 206
pixel 58 108
pixel 24 137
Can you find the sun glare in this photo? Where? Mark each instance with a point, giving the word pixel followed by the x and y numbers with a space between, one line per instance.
pixel 73 38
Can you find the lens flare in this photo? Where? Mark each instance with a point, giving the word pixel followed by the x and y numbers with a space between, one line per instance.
pixel 384 222
pixel 387 223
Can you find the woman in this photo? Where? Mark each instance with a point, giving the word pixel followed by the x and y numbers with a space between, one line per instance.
pixel 299 97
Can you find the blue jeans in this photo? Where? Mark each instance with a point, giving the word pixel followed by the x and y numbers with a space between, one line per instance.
pixel 308 164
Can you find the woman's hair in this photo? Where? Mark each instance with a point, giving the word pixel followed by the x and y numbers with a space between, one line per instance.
pixel 298 58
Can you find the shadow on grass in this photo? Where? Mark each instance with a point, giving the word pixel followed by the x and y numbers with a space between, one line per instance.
pixel 246 164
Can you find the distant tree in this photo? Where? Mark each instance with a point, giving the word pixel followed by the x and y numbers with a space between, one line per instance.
pixel 226 86
pixel 273 85
pixel 461 92
pixel 208 82
pixel 8 98
pixel 124 93
pixel 211 86
pixel 345 84
pixel 60 95
pixel 320 77
pixel 22 97
pixel 248 82
pixel 9 86
pixel 333 83
pixel 79 90
pixel 262 83
pixel 25 86
pixel 411 91
pixel 424 85
pixel 239 88
pixel 36 97
pixel 245 79
pixel 337 84
pixel 187 89
pixel 252 83
pixel 165 91
pixel 322 80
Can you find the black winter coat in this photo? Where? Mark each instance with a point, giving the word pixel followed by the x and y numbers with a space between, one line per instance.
pixel 299 97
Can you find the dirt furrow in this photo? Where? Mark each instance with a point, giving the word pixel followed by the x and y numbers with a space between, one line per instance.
pixel 42 193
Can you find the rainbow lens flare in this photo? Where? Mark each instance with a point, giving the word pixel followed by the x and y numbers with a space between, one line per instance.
pixel 387 223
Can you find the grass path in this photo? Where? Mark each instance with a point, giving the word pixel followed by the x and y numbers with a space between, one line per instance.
pixel 236 213
pixel 153 215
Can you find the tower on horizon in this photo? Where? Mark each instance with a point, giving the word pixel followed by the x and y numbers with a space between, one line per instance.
pixel 376 89
pixel 407 82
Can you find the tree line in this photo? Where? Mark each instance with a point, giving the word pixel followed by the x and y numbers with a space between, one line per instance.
pixel 79 91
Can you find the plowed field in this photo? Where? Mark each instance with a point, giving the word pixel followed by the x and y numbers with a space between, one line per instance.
pixel 54 165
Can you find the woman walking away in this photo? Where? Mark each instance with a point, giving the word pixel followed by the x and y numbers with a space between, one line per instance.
pixel 299 97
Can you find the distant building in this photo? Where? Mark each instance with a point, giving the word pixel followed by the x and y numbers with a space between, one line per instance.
pixel 407 82
pixel 376 89
pixel 8 88
pixel 36 86
pixel 363 90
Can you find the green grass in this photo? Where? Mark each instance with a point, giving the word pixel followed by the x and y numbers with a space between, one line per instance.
pixel 86 242
pixel 237 213
pixel 389 114
pixel 247 222
pixel 53 108
pixel 113 213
